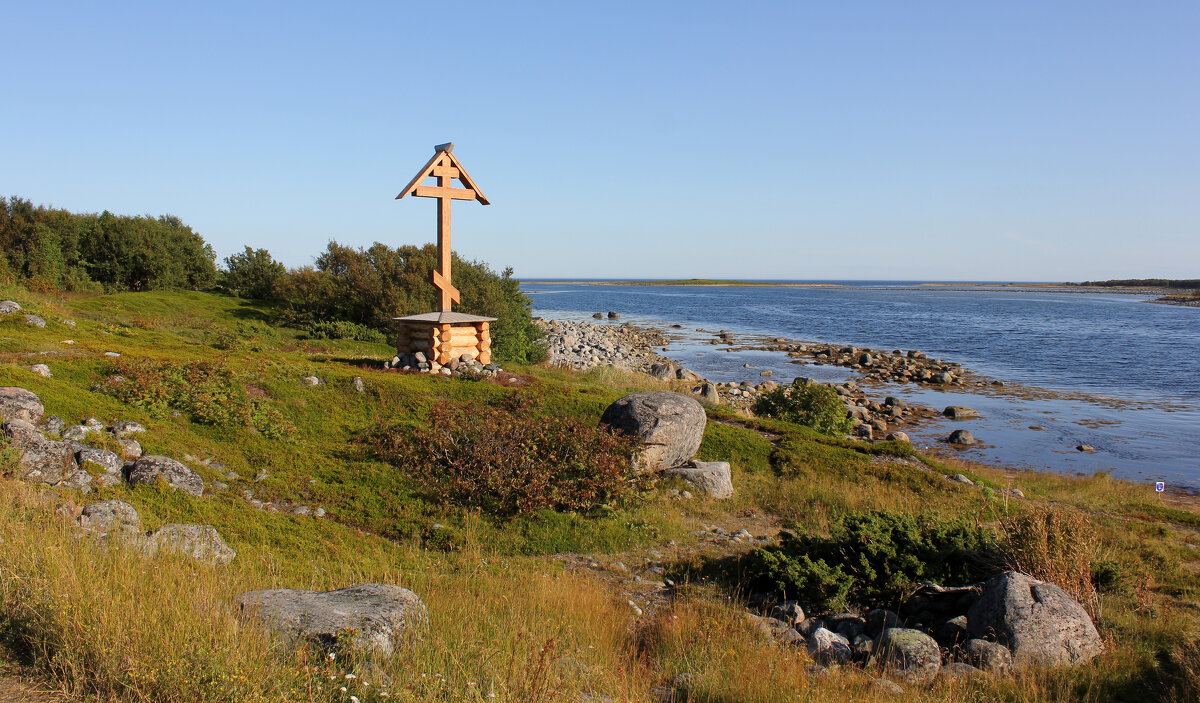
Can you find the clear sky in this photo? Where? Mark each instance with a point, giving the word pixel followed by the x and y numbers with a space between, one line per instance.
pixel 885 140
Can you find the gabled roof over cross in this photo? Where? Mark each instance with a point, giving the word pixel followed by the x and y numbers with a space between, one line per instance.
pixel 444 167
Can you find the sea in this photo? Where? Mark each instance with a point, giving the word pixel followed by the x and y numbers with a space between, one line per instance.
pixel 1107 370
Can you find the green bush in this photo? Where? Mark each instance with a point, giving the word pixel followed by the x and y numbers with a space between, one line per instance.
pixel 818 407
pixel 512 458
pixel 253 273
pixel 340 329
pixel 874 558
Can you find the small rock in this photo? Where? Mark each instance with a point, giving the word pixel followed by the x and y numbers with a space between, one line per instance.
pixel 41 370
pixel 20 404
pixel 913 654
pixel 53 424
pixel 35 321
pixel 963 480
pixel 112 354
pixel 885 686
pixel 898 437
pixel 124 429
pixel 68 322
pixel 711 478
pixel 958 412
pixel 789 611
pixel 357 384
pixel 7 307
pixel 1085 448
pixel 311 381
pixel 828 648
pixel 989 656
pixel 131 450
pixel 959 670
pixel 110 516
pixel 107 461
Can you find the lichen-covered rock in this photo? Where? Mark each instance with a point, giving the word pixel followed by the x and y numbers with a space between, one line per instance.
pixel 107 461
pixel 712 478
pixel 376 615
pixel 41 460
pixel 124 429
pixel 911 654
pixel 1037 621
pixel 34 321
pixel 670 426
pixel 41 370
pixel 149 469
pixel 20 404
pixel 130 449
pixel 7 307
pixel 111 517
pixel 991 657
pixel 200 542
pixel 53 424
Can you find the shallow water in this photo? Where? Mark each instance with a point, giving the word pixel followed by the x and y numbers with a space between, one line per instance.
pixel 1130 370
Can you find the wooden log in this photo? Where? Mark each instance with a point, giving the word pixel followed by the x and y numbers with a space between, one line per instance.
pixel 443 192
pixel 485 357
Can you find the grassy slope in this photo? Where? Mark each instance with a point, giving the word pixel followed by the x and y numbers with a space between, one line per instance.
pixel 505 618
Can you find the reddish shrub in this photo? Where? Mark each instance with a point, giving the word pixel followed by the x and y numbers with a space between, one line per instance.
pixel 513 458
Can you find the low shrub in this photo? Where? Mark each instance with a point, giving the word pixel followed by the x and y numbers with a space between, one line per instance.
pixel 206 392
pixel 818 407
pixel 341 329
pixel 874 558
pixel 511 458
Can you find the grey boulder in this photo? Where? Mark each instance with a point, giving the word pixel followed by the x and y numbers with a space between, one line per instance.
pixel 20 404
pixel 376 614
pixel 988 656
pixel 712 478
pixel 669 425
pixel 34 321
pixel 7 307
pixel 958 412
pixel 149 469
pixel 200 542
pixel 961 437
pixel 828 648
pixel 110 517
pixel 108 462
pixel 40 459
pixel 124 429
pixel 1037 621
pixel 911 654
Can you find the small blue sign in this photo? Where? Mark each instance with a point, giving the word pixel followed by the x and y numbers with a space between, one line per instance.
pixel 1160 486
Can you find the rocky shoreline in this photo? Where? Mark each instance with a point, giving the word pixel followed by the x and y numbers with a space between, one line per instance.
pixel 585 345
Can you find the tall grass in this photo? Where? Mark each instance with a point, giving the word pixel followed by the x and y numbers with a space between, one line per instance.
pixel 1056 545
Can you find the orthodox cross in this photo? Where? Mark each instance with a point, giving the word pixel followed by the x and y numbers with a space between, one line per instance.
pixel 444 168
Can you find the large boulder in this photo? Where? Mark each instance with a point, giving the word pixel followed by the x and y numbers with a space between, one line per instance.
pixel 958 412
pixel 375 614
pixel 711 478
pixel 111 517
pixel 670 426
pixel 20 404
pixel 149 469
pixel 911 654
pixel 1037 621
pixel 200 542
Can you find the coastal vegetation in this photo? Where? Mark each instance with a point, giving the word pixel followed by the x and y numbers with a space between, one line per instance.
pixel 550 571
pixel 514 608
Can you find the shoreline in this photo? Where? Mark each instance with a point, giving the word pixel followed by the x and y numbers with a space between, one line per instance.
pixel 869 395
pixel 973 287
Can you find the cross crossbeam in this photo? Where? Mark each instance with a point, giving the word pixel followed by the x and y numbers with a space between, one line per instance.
pixel 444 168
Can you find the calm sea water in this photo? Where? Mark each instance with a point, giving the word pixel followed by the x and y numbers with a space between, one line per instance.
pixel 1131 369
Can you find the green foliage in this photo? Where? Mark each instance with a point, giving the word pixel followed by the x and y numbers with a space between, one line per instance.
pixel 49 249
pixel 818 407
pixel 512 458
pixel 205 391
pixel 873 558
pixel 253 273
pixel 340 329
pixel 371 286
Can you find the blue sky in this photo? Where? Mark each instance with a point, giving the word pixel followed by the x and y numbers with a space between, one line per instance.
pixel 961 141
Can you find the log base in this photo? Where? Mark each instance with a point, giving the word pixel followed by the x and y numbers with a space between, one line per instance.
pixel 444 336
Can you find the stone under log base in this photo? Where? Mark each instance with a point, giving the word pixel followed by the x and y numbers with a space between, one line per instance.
pixel 443 337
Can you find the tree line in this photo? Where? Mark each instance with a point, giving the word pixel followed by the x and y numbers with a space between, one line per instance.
pixel 48 249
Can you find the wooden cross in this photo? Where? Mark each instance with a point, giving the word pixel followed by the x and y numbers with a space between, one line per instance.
pixel 444 168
